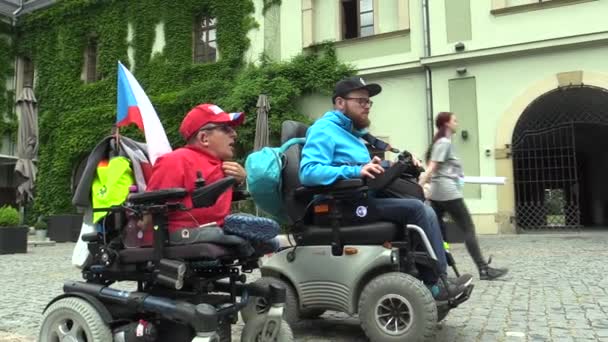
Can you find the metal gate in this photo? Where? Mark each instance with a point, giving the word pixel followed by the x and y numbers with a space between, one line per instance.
pixel 544 151
pixel 546 180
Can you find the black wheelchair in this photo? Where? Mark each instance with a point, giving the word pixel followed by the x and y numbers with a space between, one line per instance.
pixel 189 292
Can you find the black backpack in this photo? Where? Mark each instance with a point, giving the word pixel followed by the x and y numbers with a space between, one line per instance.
pixel 405 183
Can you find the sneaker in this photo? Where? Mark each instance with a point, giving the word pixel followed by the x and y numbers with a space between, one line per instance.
pixel 442 293
pixel 489 273
pixel 464 280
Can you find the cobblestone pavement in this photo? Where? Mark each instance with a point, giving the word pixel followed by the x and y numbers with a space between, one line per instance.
pixel 557 290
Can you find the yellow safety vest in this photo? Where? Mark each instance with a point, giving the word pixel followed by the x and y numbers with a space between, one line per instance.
pixel 111 184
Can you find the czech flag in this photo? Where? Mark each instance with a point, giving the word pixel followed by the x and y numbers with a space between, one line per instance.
pixel 135 107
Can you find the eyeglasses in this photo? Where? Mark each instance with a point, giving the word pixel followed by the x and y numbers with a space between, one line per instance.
pixel 363 101
pixel 224 128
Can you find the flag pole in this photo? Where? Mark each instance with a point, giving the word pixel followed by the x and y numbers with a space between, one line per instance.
pixel 116 137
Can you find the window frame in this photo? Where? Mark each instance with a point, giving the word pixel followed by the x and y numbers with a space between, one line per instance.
pixel 201 45
pixel 91 61
pixel 358 18
pixel 499 7
pixel 27 72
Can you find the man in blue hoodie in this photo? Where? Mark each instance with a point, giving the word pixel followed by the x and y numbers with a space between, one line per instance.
pixel 334 151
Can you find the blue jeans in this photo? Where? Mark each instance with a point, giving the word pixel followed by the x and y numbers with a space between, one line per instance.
pixel 412 211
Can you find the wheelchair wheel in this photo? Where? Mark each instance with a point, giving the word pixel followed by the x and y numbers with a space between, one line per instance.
pixel 73 319
pixel 258 306
pixel 397 307
pixel 253 330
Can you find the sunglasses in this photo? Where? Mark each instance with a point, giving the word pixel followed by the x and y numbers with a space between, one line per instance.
pixel 223 128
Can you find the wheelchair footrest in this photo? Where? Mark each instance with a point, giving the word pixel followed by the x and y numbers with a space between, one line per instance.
pixel 465 296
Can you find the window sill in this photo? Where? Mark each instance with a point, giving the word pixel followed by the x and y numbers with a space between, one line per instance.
pixel 535 6
pixel 358 40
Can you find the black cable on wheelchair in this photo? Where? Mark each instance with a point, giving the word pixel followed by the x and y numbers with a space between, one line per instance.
pixel 308 206
pixel 103 229
pixel 299 220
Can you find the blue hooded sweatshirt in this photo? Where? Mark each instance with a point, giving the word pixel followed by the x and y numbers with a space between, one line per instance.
pixel 333 151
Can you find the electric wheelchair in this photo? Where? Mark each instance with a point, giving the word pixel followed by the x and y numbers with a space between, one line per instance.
pixel 190 292
pixel 347 259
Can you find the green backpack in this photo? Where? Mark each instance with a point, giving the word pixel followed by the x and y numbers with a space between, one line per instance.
pixel 264 183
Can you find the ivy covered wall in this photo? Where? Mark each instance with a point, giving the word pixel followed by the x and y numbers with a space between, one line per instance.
pixel 74 116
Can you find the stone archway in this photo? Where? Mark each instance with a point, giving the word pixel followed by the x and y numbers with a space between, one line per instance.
pixel 507 125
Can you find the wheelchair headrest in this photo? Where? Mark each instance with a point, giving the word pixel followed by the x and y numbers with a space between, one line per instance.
pixel 291 180
pixel 292 129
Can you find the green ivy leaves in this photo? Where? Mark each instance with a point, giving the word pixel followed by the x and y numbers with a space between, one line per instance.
pixel 74 116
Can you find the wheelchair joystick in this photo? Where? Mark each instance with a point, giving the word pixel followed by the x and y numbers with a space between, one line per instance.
pixel 200 181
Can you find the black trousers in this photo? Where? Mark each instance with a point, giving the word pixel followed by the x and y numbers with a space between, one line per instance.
pixel 460 214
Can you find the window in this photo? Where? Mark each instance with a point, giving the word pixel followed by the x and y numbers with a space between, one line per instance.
pixel 91 59
pixel 357 18
pixel 205 45
pixel 28 72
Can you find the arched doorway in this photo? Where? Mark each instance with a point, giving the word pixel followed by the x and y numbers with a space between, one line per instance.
pixel 558 158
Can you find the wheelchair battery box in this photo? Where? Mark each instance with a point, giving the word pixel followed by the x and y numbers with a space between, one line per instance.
pixel 352 211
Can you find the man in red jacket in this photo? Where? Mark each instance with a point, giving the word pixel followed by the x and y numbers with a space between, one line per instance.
pixel 210 136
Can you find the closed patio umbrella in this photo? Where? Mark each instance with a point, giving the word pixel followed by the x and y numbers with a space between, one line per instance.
pixel 261 127
pixel 261 123
pixel 27 145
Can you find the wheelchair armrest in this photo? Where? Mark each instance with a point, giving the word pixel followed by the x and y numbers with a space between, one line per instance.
pixel 91 237
pixel 341 186
pixel 207 195
pixel 159 196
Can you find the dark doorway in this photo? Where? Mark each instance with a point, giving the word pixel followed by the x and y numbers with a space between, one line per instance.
pixel 559 154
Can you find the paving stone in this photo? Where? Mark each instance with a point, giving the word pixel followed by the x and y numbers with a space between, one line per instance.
pixel 543 296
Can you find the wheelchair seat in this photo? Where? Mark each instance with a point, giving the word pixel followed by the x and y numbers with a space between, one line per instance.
pixel 235 241
pixel 296 203
pixel 207 243
pixel 196 251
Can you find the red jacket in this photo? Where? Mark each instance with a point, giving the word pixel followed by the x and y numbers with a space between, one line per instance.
pixel 178 170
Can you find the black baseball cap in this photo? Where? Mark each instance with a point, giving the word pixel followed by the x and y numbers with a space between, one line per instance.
pixel 347 85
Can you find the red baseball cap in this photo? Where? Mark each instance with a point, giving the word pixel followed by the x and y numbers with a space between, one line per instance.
pixel 207 113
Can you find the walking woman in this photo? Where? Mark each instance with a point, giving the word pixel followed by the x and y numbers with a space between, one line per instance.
pixel 446 176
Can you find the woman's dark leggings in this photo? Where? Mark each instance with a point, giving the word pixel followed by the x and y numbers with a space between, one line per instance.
pixel 460 214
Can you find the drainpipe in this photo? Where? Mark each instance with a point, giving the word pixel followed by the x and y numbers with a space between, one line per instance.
pixel 427 71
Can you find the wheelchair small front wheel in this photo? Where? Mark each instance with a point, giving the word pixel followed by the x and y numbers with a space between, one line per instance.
pixel 259 306
pixel 254 331
pixel 73 319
